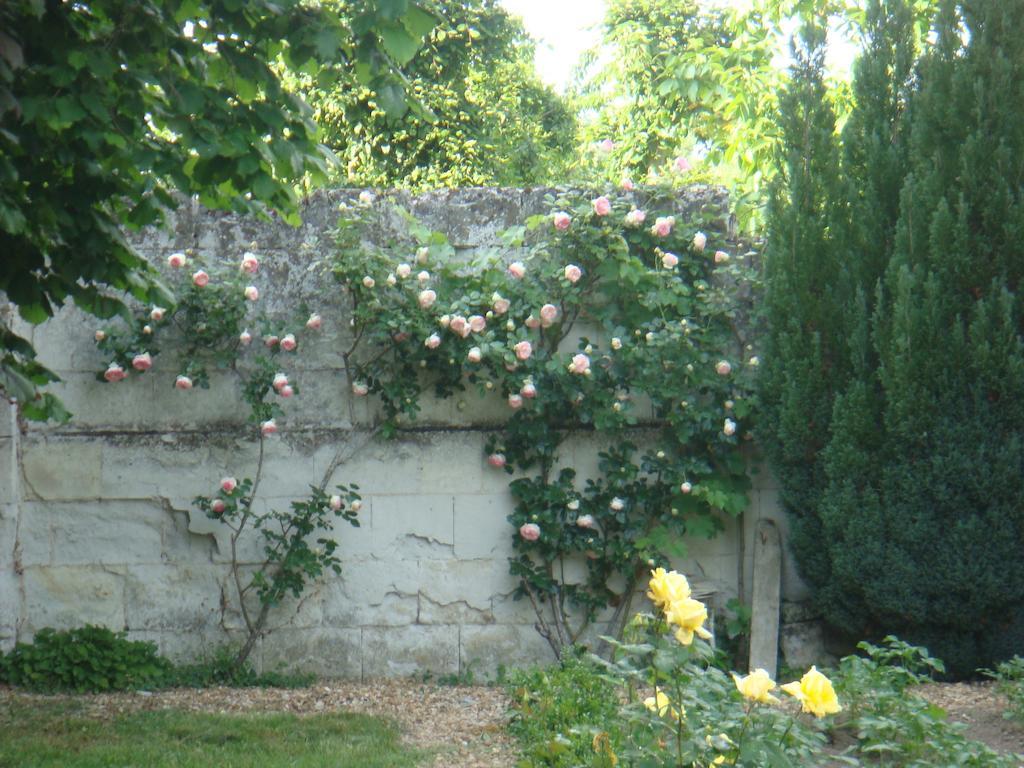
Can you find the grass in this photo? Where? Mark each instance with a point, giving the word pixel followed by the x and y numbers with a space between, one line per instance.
pixel 46 734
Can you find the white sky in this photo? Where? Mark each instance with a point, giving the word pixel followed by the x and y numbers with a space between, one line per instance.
pixel 564 29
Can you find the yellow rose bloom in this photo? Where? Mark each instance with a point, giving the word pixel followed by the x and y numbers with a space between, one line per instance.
pixel 689 615
pixel 662 704
pixel 815 693
pixel 667 587
pixel 756 686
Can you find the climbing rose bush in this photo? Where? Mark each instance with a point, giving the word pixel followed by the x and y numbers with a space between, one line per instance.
pixel 586 321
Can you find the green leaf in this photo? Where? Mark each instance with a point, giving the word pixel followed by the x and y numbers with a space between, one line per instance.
pixel 392 99
pixel 399 44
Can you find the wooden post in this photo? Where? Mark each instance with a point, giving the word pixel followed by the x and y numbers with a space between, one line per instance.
pixel 764 622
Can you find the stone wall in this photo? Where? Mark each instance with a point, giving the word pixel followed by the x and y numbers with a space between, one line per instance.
pixel 96 523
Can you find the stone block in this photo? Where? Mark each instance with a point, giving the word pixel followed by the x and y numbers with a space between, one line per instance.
pixel 61 469
pixel 455 463
pixel 371 592
pixel 172 597
pixel 413 527
pixel 10 488
pixel 325 652
pixel 486 648
pixel 482 529
pixel 127 404
pixel 136 467
pixel 8 535
pixel 92 532
pixel 410 650
pixel 10 599
pixel 70 596
pixel 803 644
pixel 461 591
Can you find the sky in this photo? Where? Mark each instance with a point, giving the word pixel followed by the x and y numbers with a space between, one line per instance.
pixel 564 29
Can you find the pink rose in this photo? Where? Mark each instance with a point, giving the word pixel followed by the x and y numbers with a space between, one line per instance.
pixel 142 362
pixel 635 218
pixel 496 460
pixel 288 342
pixel 561 220
pixel 433 341
pixel 335 503
pixel 499 304
pixel 217 506
pixel 252 293
pixel 357 505
pixel 573 273
pixel 474 355
pixel 681 164
pixel 268 427
pixel 606 145
pixel 729 427
pixel 477 323
pixel 723 368
pixel 458 324
pixel 444 321
pixel 602 207
pixel 523 350
pixel 548 314
pixel 427 298
pixel 515 402
pixel 585 521
pixel 626 185
pixel 669 260
pixel 200 279
pixel 532 322
pixel 359 388
pixel 369 282
pixel 528 390
pixel 423 276
pixel 249 263
pixel 580 364
pixel 529 531
pixel 114 373
pixel 271 340
pixel 616 343
pixel 177 260
pixel 663 226
pixel 100 335
pixel 157 314
pixel 314 322
pixel 280 380
pixel 699 241
pixel 617 504
pixel 721 257
pixel 403 271
pixel 183 382
pixel 228 484
pixel 245 337
pixel 286 391
pixel 686 487
pixel 517 269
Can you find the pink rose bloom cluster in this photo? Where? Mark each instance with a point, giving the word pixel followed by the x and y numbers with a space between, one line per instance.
pixel 635 218
pixel 529 531
pixel 602 206
pixel 580 364
pixel 663 226
pixel 561 220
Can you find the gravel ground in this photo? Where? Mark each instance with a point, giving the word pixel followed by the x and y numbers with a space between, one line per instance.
pixel 465 725
pixel 980 707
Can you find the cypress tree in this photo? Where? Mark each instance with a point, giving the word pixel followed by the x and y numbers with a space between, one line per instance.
pixel 918 501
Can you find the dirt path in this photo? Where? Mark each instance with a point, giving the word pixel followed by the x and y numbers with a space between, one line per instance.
pixel 980 707
pixel 466 725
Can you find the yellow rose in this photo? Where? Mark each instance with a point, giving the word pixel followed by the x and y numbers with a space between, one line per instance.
pixel 815 693
pixel 689 615
pixel 756 686
pixel 667 587
pixel 662 704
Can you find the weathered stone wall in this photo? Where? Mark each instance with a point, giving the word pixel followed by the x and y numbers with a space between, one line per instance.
pixel 96 523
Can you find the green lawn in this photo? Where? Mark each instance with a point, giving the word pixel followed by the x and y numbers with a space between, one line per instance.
pixel 59 734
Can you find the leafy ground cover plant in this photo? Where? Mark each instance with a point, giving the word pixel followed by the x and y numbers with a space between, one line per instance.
pixel 1010 675
pixel 604 316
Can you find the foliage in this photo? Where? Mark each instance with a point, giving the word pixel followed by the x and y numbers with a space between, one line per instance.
pixel 492 123
pixel 1010 675
pixel 895 727
pixel 598 319
pixel 106 110
pixel 64 734
pixel 87 659
pixel 557 711
pixel 895 358
pixel 208 325
pixel 221 668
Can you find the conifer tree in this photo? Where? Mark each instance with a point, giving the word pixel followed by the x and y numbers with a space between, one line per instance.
pixel 914 521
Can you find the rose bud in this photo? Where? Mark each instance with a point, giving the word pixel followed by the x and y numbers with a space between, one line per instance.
pixel 177 260
pixel 314 322
pixel 183 382
pixel 200 279
pixel 252 293
pixel 288 342
pixel 228 484
pixel 249 264
pixel 142 362
pixel 114 373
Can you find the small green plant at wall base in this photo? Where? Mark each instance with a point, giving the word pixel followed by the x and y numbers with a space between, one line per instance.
pixel 1010 677
pixel 602 317
pixel 88 659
